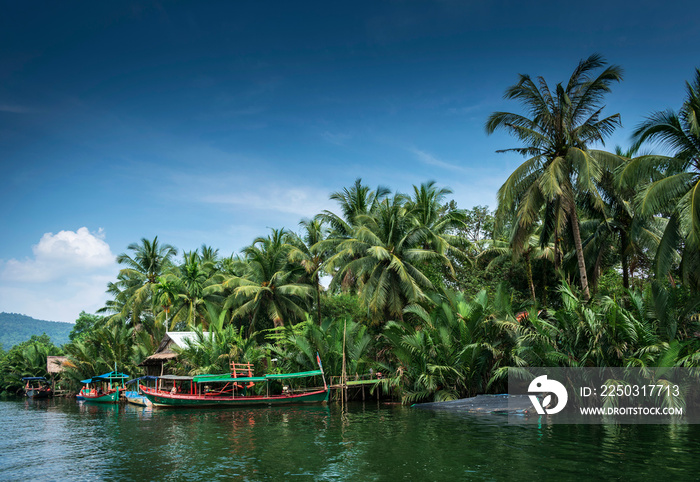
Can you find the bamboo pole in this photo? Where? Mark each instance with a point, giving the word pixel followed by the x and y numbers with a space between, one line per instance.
pixel 344 374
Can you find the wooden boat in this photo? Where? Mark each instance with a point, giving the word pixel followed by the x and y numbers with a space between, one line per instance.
pixel 136 397
pixel 104 388
pixel 37 387
pixel 232 389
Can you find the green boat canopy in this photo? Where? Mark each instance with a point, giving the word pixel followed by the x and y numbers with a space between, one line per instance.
pixel 282 376
pixel 277 376
pixel 226 378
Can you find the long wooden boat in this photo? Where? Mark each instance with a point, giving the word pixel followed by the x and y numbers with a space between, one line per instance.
pixel 37 387
pixel 104 388
pixel 232 390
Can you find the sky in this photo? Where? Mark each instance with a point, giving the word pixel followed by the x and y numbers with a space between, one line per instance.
pixel 212 122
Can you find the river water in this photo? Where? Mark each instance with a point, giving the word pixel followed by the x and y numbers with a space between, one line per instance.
pixel 65 440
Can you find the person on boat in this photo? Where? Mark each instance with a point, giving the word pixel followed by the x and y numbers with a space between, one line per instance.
pixel 174 390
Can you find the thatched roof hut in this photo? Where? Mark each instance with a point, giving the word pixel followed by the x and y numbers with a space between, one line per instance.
pixel 155 364
pixel 54 364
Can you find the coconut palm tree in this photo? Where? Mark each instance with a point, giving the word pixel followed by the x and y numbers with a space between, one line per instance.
pixel 435 222
pixel 296 346
pixel 192 292
pixel 618 228
pixel 133 291
pixel 385 254
pixel 213 351
pixel 269 287
pixel 358 200
pixel 303 252
pixel 557 131
pixel 674 182
pixel 500 251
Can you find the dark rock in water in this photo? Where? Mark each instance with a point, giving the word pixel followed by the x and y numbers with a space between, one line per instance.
pixel 502 403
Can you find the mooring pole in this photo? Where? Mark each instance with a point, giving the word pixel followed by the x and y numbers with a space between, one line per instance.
pixel 345 375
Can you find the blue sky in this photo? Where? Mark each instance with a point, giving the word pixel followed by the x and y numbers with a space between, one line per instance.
pixel 210 122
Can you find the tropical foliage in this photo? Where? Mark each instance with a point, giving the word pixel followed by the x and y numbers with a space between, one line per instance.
pixel 590 259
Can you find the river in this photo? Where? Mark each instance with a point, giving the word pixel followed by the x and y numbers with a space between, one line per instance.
pixel 62 439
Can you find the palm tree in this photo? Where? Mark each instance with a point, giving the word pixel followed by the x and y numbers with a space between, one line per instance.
pixel 149 259
pixel 618 226
pixel 100 350
pixel 356 201
pixel 556 133
pixel 214 351
pixel 385 254
pixel 193 292
pixel 500 251
pixel 434 220
pixel 296 346
pixel 674 182
pixel 269 287
pixel 311 259
pixel 133 290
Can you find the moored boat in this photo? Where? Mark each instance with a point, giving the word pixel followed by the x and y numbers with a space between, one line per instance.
pixel 136 397
pixel 37 387
pixel 104 388
pixel 238 388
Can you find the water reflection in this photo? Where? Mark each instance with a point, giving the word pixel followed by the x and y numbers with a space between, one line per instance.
pixel 366 442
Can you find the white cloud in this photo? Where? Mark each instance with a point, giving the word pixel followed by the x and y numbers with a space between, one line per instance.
pixel 68 273
pixel 59 254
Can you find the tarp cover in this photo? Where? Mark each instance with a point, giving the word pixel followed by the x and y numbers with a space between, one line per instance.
pixel 277 376
pixel 226 378
pixel 282 376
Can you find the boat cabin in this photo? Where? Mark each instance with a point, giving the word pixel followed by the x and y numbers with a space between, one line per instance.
pixel 103 388
pixel 37 387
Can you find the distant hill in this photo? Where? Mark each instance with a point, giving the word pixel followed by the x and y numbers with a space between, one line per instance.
pixel 16 328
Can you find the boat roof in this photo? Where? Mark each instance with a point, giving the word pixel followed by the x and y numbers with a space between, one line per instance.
pixel 106 376
pixel 147 377
pixel 174 377
pixel 282 376
pixel 33 378
pixel 226 377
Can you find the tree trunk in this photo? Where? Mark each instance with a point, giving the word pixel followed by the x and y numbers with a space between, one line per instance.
pixel 573 216
pixel 556 250
pixel 318 300
pixel 623 259
pixel 529 275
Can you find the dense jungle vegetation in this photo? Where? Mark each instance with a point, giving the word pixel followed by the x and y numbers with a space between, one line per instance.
pixel 592 258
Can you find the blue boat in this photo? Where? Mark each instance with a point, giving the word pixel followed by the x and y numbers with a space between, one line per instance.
pixel 135 397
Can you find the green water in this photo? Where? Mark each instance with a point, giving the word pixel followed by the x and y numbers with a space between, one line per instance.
pixel 64 440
